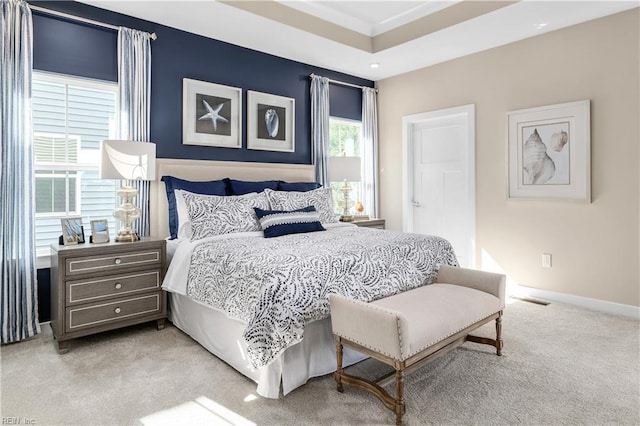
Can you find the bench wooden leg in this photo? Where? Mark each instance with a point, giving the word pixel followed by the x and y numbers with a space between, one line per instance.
pixel 499 342
pixel 338 375
pixel 399 402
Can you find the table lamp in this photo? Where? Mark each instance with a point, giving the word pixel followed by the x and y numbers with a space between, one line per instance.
pixel 345 169
pixel 130 161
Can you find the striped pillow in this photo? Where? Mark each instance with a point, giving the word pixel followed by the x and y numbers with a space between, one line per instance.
pixel 276 223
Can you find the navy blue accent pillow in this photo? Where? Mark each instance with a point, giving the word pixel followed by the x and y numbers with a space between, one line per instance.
pixel 213 187
pixel 276 223
pixel 241 187
pixel 298 186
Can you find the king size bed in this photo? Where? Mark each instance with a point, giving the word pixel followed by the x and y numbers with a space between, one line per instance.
pixel 261 304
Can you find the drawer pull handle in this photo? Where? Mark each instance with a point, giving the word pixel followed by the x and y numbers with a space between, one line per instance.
pixel 118 261
pixel 118 286
pixel 117 310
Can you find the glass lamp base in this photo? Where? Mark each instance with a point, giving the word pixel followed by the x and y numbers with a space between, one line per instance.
pixel 346 216
pixel 125 236
pixel 127 213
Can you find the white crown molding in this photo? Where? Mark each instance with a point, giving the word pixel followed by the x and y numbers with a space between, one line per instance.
pixel 370 18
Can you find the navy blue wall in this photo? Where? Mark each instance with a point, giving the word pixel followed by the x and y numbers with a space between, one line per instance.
pixel 70 47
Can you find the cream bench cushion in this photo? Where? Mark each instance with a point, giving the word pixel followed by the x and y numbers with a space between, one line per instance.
pixel 430 314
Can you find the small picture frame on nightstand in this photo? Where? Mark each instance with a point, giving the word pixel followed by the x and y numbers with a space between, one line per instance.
pixel 72 230
pixel 99 231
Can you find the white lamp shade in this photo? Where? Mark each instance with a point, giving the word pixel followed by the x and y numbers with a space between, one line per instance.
pixel 344 168
pixel 127 160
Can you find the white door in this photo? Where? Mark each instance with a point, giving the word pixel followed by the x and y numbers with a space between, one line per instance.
pixel 440 179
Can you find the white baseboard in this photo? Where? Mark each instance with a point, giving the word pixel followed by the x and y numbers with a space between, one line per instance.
pixel 584 302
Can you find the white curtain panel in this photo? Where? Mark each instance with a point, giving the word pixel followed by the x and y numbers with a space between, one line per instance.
pixel 320 127
pixel 134 81
pixel 19 306
pixel 370 150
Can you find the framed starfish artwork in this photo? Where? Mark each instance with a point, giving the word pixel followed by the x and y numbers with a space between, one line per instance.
pixel 270 122
pixel 211 114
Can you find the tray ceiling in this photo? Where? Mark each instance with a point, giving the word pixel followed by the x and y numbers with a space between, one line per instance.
pixel 349 36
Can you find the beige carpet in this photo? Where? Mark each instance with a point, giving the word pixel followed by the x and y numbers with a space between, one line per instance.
pixel 561 366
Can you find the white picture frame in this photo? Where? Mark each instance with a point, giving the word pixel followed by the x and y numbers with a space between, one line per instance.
pixel 211 114
pixel 270 122
pixel 99 231
pixel 72 230
pixel 550 152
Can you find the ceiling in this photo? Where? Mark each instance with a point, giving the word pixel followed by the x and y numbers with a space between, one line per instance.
pixel 349 36
pixel 369 17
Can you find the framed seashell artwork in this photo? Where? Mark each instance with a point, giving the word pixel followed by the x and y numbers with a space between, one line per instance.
pixel 270 122
pixel 211 114
pixel 550 152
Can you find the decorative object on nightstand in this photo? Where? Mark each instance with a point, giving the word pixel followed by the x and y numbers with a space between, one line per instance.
pixel 72 230
pixel 370 223
pixel 99 231
pixel 106 286
pixel 345 169
pixel 127 160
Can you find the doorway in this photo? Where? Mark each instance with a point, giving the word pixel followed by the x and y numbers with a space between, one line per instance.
pixel 439 178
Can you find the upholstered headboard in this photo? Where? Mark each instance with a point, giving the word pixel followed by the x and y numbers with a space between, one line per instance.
pixel 203 170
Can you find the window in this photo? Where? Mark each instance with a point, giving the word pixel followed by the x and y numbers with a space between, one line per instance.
pixel 70 118
pixel 344 139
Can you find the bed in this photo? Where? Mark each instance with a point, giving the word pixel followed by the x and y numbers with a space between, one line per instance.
pixel 261 304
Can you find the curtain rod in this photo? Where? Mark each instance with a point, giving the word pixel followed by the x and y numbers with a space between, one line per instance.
pixel 79 18
pixel 342 83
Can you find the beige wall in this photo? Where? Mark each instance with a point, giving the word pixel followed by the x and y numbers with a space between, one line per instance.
pixel 595 246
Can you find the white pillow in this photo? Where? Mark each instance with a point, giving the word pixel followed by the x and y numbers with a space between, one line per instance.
pixel 211 215
pixel 321 199
pixel 184 221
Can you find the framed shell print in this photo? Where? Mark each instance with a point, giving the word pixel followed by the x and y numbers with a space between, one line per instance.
pixel 270 122
pixel 550 152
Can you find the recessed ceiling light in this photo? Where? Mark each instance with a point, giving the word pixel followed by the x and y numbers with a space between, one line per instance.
pixel 542 25
pixel 375 65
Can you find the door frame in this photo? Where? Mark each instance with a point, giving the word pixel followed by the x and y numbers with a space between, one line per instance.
pixel 408 122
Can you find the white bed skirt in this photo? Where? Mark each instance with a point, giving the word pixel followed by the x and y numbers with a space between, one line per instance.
pixel 314 356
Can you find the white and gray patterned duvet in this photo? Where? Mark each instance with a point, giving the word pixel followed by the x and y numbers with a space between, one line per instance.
pixel 277 285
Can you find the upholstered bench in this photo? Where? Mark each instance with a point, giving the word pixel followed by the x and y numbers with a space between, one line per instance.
pixel 408 329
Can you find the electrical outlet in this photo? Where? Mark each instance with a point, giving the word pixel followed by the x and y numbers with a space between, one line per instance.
pixel 546 260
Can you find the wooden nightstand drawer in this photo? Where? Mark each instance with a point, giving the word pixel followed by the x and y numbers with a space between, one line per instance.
pixel 98 288
pixel 119 310
pixel 112 263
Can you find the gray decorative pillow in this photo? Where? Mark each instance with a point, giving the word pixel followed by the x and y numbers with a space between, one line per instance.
pixel 320 198
pixel 213 215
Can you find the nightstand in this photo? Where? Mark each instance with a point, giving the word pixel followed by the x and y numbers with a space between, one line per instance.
pixel 100 287
pixel 370 223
